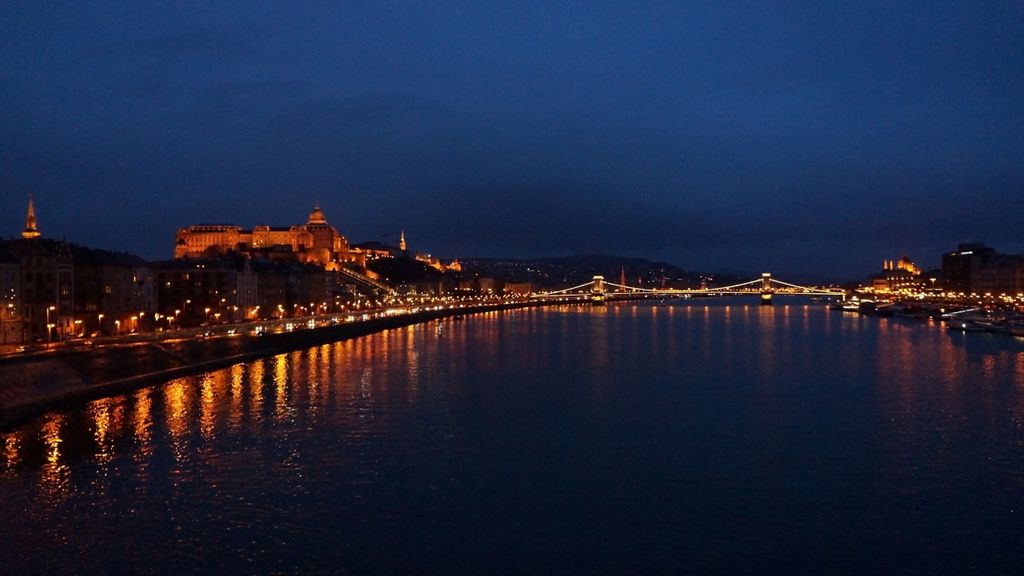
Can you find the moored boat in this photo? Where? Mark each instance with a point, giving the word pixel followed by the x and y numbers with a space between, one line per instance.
pixel 968 325
pixel 888 310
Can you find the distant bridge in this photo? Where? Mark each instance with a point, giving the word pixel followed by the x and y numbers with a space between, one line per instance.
pixel 766 287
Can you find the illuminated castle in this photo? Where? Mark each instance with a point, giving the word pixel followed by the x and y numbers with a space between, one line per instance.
pixel 904 263
pixel 900 276
pixel 315 242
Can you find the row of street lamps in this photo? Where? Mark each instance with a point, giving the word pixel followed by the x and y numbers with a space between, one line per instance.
pixel 212 315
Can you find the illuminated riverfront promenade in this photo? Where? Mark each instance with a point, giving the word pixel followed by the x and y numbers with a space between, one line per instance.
pixel 64 377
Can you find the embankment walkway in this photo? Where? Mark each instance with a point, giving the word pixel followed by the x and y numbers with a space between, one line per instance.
pixel 34 385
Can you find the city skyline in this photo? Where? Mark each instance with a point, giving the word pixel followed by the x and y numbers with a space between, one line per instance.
pixel 721 136
pixel 30 230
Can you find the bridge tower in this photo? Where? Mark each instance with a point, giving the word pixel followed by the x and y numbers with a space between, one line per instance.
pixel 597 292
pixel 766 288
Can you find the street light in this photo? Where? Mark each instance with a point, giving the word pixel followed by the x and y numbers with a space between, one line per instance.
pixel 49 327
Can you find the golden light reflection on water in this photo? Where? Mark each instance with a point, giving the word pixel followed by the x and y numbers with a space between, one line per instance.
pixel 332 356
pixel 142 421
pixel 258 371
pixel 176 413
pixel 411 353
pixel 235 413
pixel 55 475
pixel 599 341
pixel 280 386
pixel 316 359
pixel 108 421
pixel 366 372
pixel 12 446
pixel 766 341
pixel 207 398
pixel 988 366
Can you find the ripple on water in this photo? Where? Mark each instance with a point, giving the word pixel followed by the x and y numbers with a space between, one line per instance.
pixel 686 438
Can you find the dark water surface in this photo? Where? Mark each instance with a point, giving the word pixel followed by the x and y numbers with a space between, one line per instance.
pixel 633 439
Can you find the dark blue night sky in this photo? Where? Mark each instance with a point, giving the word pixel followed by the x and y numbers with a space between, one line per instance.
pixel 816 137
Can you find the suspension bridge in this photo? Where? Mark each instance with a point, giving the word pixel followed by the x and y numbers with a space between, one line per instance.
pixel 597 291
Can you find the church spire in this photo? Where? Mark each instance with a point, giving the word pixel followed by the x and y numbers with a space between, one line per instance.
pixel 30 222
pixel 401 241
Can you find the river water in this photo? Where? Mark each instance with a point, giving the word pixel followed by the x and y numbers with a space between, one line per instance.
pixel 697 437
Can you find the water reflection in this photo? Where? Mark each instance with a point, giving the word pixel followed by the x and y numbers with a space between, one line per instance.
pixel 12 442
pixel 142 421
pixel 55 474
pixel 234 418
pixel 400 414
pixel 230 401
pixel 254 388
pixel 207 398
pixel 281 385
pixel 108 424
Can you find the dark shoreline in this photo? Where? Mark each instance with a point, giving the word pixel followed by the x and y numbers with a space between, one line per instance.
pixel 37 385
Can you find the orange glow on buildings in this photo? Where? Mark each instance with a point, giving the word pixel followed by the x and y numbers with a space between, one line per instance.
pixel 315 242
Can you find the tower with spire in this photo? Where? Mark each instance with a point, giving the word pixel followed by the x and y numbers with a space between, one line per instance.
pixel 401 241
pixel 30 222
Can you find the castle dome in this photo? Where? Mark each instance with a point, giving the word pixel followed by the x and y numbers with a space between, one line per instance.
pixel 317 216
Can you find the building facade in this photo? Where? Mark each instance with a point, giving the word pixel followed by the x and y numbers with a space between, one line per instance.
pixel 207 291
pixel 1003 276
pixel 52 290
pixel 961 269
pixel 115 293
pixel 315 242
pixel 45 292
pixel 10 303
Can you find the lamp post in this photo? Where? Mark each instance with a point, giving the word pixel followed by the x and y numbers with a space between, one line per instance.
pixel 99 324
pixel 49 326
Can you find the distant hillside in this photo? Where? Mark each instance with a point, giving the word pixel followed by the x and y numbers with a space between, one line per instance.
pixel 571 270
pixel 403 270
